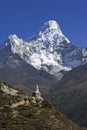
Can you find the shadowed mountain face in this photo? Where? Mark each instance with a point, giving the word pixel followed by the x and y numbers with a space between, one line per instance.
pixel 15 114
pixel 70 95
pixel 17 72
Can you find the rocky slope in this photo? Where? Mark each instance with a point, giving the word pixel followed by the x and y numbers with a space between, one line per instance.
pixel 17 72
pixel 70 95
pixel 27 115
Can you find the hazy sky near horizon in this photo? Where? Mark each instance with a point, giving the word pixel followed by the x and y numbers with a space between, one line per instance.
pixel 25 17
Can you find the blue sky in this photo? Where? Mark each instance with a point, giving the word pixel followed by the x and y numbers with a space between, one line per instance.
pixel 25 17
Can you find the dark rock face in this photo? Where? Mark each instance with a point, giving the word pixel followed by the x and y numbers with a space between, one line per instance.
pixel 69 95
pixel 15 71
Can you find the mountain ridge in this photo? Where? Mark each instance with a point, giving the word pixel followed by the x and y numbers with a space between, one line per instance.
pixel 49 50
pixel 17 114
pixel 69 95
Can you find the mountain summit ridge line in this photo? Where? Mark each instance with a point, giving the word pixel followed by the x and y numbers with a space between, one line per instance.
pixel 48 50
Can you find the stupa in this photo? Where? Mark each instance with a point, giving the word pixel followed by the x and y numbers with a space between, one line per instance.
pixel 38 93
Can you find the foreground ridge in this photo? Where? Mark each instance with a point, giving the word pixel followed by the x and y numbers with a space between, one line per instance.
pixel 30 115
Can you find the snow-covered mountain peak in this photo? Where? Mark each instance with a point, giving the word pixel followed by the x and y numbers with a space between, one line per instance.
pixel 49 50
pixel 50 33
pixel 51 24
pixel 14 36
pixel 13 39
pixel 15 43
